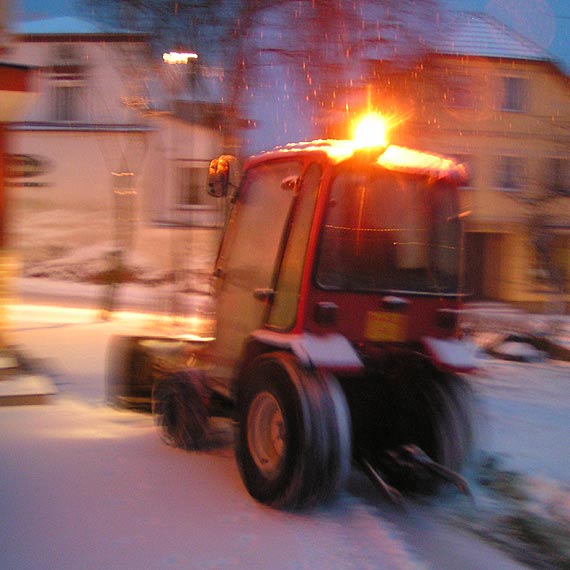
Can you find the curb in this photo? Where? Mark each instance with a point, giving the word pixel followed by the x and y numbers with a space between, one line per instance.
pixel 20 384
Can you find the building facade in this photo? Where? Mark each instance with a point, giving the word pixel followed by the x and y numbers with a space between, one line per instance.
pixel 501 105
pixel 120 154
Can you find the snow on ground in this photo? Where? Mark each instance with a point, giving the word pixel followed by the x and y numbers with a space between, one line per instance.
pixel 86 486
pixel 522 484
pixel 528 407
pixel 523 488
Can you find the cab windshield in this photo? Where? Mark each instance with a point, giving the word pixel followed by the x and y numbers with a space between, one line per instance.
pixel 389 231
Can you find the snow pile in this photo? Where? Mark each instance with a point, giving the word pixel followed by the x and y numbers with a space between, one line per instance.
pixel 523 487
pixel 527 516
pixel 518 350
pixel 522 484
pixel 512 334
pixel 500 318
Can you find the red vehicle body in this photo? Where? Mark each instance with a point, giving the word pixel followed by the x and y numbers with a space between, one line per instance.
pixel 338 285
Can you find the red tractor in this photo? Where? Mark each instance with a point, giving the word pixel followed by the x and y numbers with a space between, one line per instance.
pixel 338 290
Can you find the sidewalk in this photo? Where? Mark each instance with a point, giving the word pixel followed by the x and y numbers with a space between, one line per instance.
pixel 24 381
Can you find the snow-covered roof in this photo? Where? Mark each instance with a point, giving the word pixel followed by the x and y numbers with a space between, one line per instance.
pixel 477 34
pixel 393 157
pixel 63 25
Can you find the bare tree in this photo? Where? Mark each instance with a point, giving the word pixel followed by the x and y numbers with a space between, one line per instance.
pixel 317 47
pixel 539 197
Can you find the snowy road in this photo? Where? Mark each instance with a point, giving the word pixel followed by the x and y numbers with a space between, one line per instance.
pixel 84 486
pixel 528 411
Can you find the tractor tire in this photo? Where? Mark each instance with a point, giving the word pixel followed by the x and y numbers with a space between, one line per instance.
pixel 456 422
pixel 180 410
pixel 410 402
pixel 294 441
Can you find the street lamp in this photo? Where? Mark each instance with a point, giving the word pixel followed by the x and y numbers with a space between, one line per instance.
pixel 177 58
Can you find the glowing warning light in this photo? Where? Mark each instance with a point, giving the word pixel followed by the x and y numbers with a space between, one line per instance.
pixel 175 57
pixel 371 131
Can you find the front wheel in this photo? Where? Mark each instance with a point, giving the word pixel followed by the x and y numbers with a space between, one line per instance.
pixel 180 410
pixel 294 442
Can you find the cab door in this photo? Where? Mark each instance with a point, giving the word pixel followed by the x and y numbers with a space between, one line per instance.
pixel 249 256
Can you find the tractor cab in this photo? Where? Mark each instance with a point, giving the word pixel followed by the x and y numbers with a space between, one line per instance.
pixel 332 247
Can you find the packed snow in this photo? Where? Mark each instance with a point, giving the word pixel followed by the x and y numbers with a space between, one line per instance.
pixel 83 485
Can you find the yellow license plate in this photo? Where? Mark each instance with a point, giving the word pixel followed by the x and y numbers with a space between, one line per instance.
pixel 383 326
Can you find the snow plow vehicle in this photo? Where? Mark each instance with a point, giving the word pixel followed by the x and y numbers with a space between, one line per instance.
pixel 338 291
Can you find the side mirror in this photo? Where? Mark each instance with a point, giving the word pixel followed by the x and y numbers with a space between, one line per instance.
pixel 224 172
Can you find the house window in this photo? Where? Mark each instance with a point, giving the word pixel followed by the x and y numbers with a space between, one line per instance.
pixel 65 101
pixel 459 92
pixel 192 185
pixel 514 94
pixel 510 173
pixel 557 176
pixel 66 75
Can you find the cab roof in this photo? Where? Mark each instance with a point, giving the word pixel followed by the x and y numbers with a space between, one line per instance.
pixel 392 157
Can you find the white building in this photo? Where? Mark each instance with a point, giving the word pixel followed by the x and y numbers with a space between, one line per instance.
pixel 119 147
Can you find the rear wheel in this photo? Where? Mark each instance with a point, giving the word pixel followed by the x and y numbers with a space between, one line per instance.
pixel 294 442
pixel 410 402
pixel 456 422
pixel 180 410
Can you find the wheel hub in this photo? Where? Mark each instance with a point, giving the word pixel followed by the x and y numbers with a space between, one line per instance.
pixel 266 434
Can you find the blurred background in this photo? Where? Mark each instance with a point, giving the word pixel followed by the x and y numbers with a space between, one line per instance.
pixel 112 110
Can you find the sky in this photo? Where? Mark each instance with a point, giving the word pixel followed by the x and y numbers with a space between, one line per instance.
pixel 546 22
